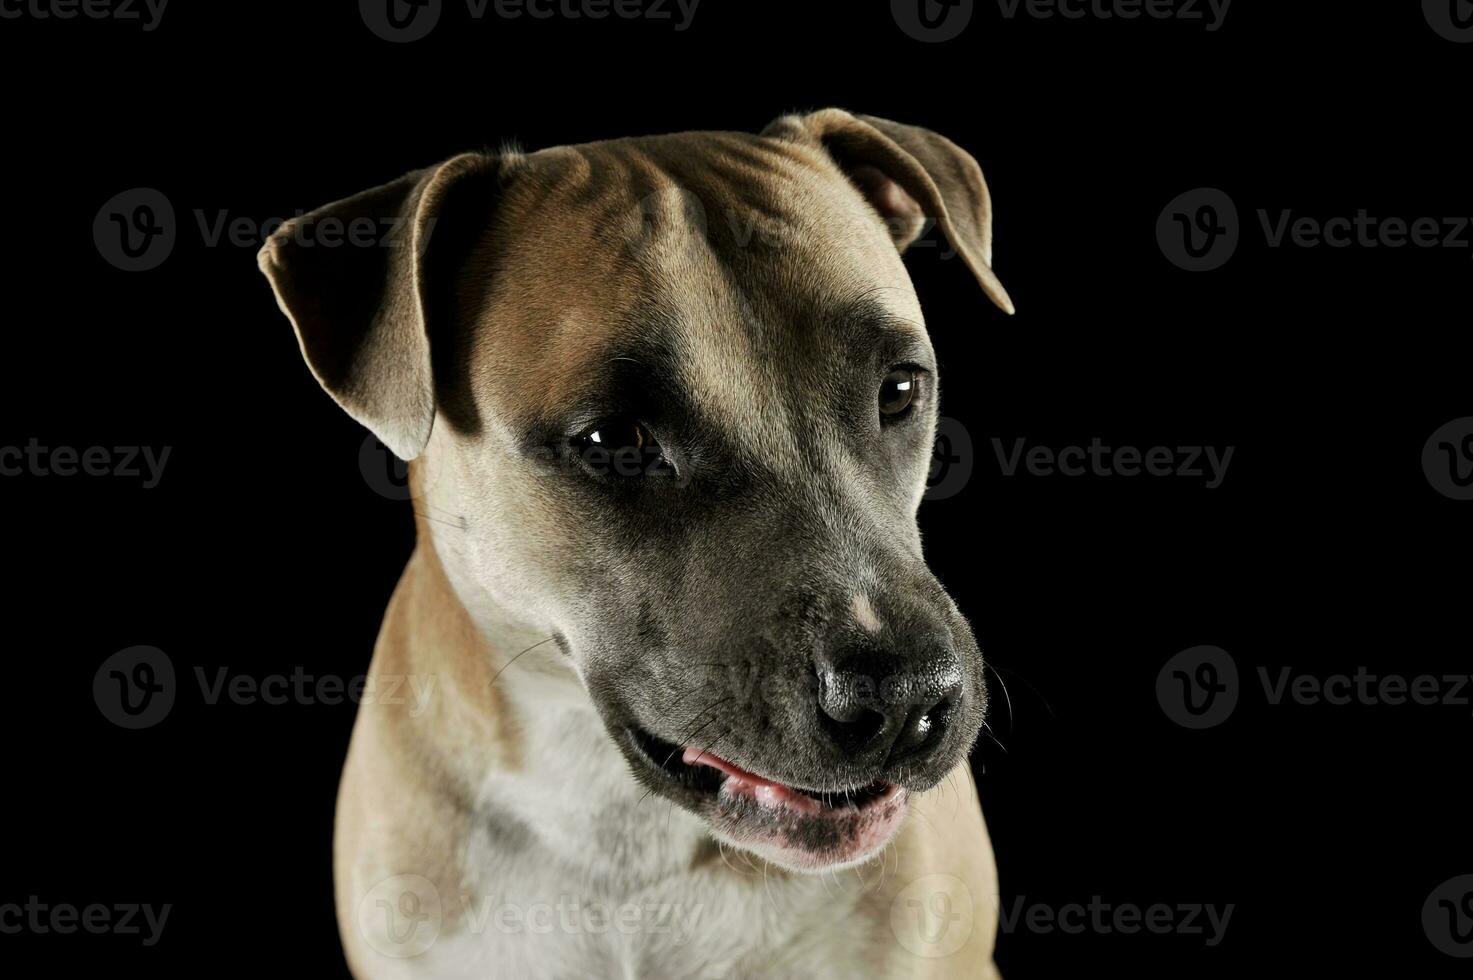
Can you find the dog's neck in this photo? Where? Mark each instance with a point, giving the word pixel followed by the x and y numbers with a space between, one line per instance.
pixel 513 726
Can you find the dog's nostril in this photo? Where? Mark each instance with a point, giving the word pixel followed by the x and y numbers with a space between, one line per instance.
pixel 852 727
pixel 923 727
pixel 903 714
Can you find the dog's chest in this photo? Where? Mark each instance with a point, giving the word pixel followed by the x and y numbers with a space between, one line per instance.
pixel 583 875
pixel 706 927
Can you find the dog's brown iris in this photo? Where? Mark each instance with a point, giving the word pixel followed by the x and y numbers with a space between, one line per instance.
pixel 897 391
pixel 619 434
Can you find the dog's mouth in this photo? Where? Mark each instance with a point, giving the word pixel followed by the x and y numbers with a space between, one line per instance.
pixel 807 829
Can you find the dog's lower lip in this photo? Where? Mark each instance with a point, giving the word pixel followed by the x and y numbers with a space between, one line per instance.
pixel 799 828
pixel 768 792
pixel 705 772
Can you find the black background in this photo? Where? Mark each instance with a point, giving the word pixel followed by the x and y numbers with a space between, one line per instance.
pixel 264 549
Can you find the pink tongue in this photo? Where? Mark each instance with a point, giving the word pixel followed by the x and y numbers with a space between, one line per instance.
pixel 744 783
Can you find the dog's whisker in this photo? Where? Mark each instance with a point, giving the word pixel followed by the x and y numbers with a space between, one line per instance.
pixel 926 817
pixel 884 866
pixel 519 656
pixel 443 510
pixel 824 882
pixel 1026 683
pixel 988 732
pixel 1007 697
pixel 698 714
pixel 686 740
pixel 711 746
pixel 721 849
pixel 458 525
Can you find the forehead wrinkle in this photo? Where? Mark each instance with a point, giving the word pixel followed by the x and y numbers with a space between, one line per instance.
pixel 729 370
pixel 738 307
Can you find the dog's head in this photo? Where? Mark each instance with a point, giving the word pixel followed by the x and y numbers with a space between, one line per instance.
pixel 671 399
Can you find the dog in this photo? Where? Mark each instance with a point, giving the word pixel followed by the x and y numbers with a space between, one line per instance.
pixel 699 707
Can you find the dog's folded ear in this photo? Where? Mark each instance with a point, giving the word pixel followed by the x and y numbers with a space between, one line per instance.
pixel 356 280
pixel 909 175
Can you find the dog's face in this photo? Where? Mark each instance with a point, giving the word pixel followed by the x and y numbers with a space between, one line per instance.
pixel 674 401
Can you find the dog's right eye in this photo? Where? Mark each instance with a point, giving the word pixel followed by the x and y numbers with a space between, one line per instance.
pixel 617 435
pixel 619 448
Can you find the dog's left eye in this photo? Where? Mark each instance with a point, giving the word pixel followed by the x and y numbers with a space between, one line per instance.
pixel 898 391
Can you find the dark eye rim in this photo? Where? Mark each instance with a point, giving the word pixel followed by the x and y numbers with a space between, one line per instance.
pixel 919 376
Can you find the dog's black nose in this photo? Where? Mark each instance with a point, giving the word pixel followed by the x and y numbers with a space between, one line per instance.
pixel 872 705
